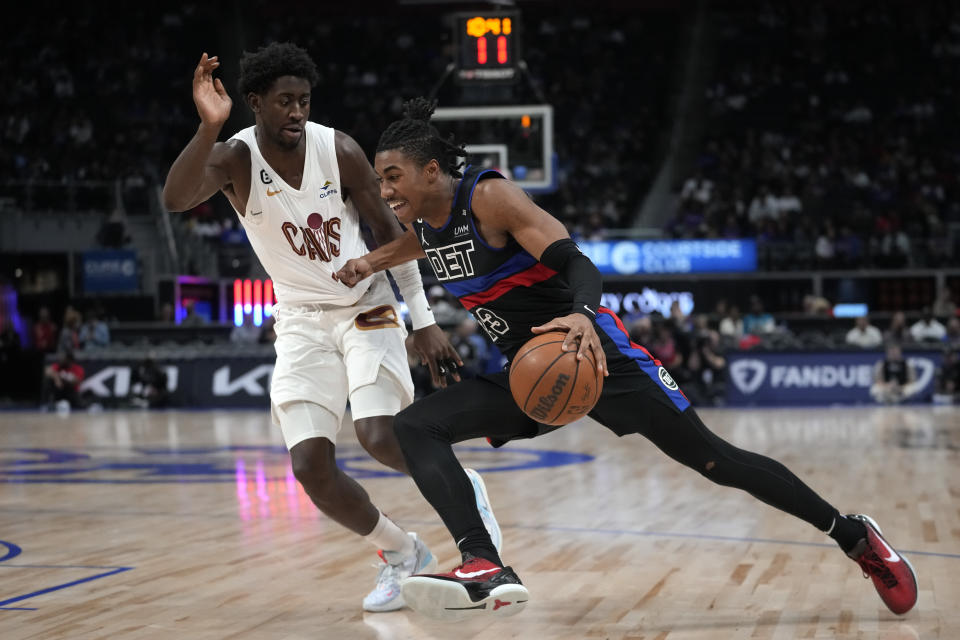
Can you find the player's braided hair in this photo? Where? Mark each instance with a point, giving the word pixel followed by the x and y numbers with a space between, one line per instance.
pixel 417 138
pixel 259 69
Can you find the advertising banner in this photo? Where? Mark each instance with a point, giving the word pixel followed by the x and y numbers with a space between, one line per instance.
pixel 110 271
pixel 203 382
pixel 821 378
pixel 628 257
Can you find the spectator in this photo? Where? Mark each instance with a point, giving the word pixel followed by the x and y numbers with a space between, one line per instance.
pixel 948 378
pixel 814 305
pixel 897 331
pixel 94 332
pixel 731 325
pixel 953 333
pixel 641 330
pixel 61 383
pixel 148 385
pixel 70 334
pixel 944 306
pixel 864 334
pixel 10 358
pixel 758 321
pixel 927 328
pixel 894 380
pixel 44 332
pixel 445 313
pixel 166 314
pixel 113 231
pixel 664 346
pixel 192 318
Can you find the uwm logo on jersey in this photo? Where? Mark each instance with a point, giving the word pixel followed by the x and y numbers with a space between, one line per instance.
pixel 319 240
pixel 452 261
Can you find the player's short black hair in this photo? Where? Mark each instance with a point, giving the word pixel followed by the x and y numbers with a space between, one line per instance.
pixel 417 138
pixel 259 69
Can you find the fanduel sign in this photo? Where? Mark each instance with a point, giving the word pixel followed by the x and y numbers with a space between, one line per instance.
pixel 627 257
pixel 772 379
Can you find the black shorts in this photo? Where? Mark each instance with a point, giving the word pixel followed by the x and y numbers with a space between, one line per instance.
pixel 638 390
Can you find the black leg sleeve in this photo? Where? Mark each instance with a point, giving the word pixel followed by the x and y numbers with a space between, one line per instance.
pixel 427 429
pixel 685 438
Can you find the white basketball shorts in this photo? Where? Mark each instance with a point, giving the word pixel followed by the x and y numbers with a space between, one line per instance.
pixel 325 353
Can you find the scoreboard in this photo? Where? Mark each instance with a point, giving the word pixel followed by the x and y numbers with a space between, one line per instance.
pixel 488 46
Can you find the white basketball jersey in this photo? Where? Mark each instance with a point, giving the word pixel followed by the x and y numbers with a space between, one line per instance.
pixel 302 236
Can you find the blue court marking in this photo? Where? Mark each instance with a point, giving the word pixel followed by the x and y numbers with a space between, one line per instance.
pixel 14 550
pixel 220 464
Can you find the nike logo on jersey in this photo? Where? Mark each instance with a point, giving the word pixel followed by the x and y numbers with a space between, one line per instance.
pixel 273 193
pixel 473 574
pixel 589 309
pixel 893 557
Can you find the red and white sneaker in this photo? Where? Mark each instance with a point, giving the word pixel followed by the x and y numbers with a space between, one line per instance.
pixel 477 587
pixel 893 575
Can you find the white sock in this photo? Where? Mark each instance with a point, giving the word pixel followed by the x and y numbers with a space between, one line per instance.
pixel 389 537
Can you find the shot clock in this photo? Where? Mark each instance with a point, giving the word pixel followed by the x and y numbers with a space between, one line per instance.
pixel 488 46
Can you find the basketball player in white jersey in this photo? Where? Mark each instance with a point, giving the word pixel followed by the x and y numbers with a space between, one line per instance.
pixel 301 190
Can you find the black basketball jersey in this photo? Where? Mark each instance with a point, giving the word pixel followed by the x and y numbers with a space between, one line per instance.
pixel 507 290
pixel 895 370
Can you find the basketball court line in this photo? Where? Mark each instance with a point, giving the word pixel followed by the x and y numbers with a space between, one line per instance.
pixel 14 550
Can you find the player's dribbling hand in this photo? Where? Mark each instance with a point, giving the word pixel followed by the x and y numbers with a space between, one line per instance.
pixel 353 271
pixel 213 103
pixel 581 337
pixel 434 349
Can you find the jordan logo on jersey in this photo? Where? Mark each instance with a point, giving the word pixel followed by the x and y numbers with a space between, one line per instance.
pixel 319 240
pixel 452 261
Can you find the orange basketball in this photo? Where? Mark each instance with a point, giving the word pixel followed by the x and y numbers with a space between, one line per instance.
pixel 551 385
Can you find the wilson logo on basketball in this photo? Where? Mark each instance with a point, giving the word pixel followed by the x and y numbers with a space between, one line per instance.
pixel 545 403
pixel 384 317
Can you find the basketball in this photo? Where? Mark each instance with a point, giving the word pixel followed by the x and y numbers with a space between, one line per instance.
pixel 551 385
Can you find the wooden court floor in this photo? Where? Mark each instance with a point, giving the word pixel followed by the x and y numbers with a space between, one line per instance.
pixel 189 525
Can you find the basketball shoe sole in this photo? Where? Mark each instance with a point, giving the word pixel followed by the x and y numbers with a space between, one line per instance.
pixel 453 600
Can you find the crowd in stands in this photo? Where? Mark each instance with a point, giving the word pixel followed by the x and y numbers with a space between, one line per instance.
pixel 834 147
pixel 84 113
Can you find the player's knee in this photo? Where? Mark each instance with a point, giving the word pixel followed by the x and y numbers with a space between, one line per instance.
pixel 313 464
pixel 376 437
pixel 408 428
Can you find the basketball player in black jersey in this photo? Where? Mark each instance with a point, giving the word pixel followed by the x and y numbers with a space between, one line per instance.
pixel 517 271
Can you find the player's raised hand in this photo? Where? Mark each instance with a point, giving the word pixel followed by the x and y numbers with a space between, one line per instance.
pixel 581 337
pixel 353 271
pixel 213 103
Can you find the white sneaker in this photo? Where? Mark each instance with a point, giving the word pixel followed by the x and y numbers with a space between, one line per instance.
pixel 386 594
pixel 486 511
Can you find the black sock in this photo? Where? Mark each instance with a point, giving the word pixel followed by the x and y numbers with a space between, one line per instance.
pixel 847 532
pixel 480 547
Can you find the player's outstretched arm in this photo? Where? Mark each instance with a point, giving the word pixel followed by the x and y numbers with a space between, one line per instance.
pixel 403 249
pixel 199 171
